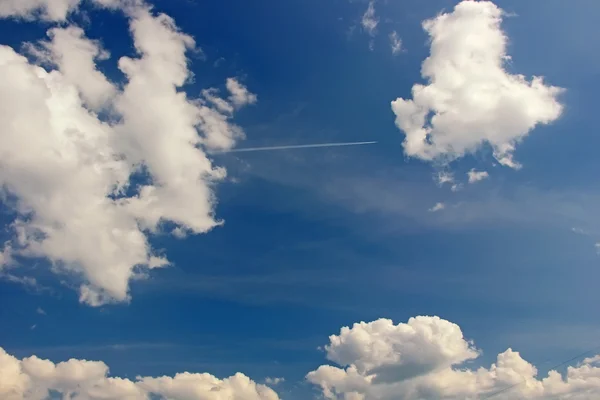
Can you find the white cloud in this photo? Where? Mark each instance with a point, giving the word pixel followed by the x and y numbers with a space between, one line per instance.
pixel 592 360
pixel 88 190
pixel 274 381
pixel 33 378
pixel 212 96
pixel 424 359
pixel 186 386
pixel 473 100
pixel 395 43
pixel 6 256
pixel 240 96
pixel 443 177
pixel 387 350
pixel 369 20
pixel 437 207
pixel 53 10
pixel 75 57
pixel 476 176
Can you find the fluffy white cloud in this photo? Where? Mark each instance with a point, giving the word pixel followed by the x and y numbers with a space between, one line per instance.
pixel 33 378
pixel 470 99
pixel 75 57
pixel 476 176
pixel 405 350
pixel 89 189
pixel 395 43
pixel 423 359
pixel 206 387
pixel 53 10
pixel 240 96
pixel 369 20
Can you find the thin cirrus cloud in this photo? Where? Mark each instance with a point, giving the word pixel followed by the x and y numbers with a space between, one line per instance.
pixel 73 173
pixel 473 100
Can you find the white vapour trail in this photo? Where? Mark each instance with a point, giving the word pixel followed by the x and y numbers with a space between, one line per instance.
pixel 298 146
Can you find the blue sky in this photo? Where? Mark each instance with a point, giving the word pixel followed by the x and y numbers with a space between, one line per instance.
pixel 317 239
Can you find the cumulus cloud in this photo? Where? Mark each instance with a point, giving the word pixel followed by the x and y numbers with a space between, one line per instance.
pixel 90 189
pixel 476 176
pixel 240 96
pixel 470 100
pixel 369 20
pixel 33 379
pixel 395 43
pixel 52 10
pixel 75 57
pixel 424 359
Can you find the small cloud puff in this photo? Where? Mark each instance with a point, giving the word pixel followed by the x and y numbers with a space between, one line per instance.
pixel 476 176
pixel 437 207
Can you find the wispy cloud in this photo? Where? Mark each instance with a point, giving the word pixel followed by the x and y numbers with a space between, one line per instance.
pixel 28 283
pixel 96 348
pixel 476 176
pixel 443 177
pixel 369 20
pixel 395 43
pixel 437 207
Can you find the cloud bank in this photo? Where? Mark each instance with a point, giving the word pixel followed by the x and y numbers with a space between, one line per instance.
pixel 92 168
pixel 425 357
pixel 35 379
pixel 470 99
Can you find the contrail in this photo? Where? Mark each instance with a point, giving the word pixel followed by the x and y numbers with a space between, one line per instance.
pixel 298 146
